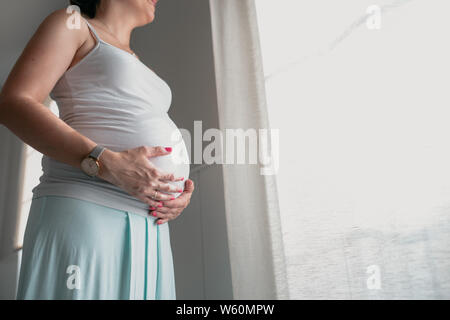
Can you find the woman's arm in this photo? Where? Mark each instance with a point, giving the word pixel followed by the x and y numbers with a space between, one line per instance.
pixel 47 56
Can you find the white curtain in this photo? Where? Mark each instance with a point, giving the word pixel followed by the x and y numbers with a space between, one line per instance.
pixel 11 179
pixel 19 173
pixel 253 223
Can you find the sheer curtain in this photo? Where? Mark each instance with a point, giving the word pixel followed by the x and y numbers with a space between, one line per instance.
pixel 11 177
pixel 32 171
pixel 360 94
pixel 252 213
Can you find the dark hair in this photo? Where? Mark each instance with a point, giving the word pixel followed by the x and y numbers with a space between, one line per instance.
pixel 88 7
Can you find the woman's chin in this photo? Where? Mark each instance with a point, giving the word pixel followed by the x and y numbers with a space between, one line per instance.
pixel 150 17
pixel 151 11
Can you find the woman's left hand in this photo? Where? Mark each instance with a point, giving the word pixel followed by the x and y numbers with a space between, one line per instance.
pixel 171 209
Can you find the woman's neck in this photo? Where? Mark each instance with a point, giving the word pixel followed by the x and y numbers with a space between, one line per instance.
pixel 111 16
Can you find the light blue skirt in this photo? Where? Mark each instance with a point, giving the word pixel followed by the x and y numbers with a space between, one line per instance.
pixel 75 249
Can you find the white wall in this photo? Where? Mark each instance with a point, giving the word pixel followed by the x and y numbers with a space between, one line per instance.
pixel 177 45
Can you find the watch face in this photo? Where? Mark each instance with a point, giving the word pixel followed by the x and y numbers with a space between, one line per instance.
pixel 89 166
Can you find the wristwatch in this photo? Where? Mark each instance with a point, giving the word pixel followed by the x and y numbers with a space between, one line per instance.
pixel 90 165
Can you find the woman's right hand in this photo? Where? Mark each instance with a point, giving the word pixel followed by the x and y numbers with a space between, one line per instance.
pixel 131 171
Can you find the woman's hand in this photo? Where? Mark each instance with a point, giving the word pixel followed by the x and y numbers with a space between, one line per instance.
pixel 171 209
pixel 131 171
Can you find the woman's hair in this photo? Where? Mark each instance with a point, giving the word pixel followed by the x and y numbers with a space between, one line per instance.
pixel 88 7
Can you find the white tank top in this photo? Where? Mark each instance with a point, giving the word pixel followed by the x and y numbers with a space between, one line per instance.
pixel 114 99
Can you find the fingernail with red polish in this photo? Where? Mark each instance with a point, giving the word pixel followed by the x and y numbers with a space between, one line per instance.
pixel 160 205
pixel 152 208
pixel 179 190
pixel 173 198
pixel 154 214
pixel 169 149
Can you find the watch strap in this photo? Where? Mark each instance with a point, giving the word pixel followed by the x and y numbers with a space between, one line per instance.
pixel 97 152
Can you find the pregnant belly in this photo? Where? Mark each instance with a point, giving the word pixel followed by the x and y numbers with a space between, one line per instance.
pixel 152 132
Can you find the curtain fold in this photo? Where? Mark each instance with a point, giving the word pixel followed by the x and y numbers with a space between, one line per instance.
pixel 12 160
pixel 251 201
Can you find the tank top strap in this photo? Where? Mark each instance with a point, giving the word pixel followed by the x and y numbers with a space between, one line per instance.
pixel 93 30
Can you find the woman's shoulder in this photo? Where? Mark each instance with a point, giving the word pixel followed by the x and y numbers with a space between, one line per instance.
pixel 66 23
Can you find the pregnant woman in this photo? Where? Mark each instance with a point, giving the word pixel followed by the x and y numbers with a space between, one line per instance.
pixel 115 167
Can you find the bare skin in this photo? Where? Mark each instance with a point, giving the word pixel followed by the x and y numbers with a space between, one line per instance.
pixel 53 49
